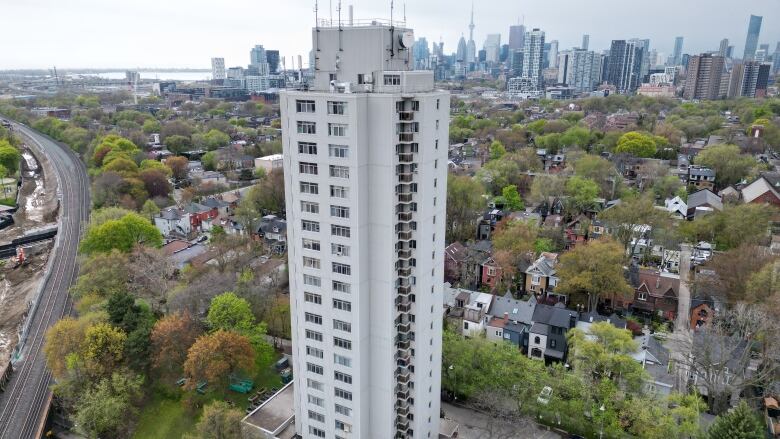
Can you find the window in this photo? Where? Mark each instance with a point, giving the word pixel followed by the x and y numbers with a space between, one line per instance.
pixel 339 171
pixel 316 432
pixel 311 280
pixel 537 340
pixel 316 401
pixel 535 280
pixel 341 360
pixel 553 343
pixel 437 103
pixel 342 326
pixel 336 107
pixel 437 124
pixel 312 298
pixel 339 191
pixel 313 318
pixel 339 249
pixel 339 211
pixel 342 305
pixel 307 148
pixel 307 168
pixel 311 262
pixel 314 368
pixel 392 79
pixel 342 343
pixel 342 269
pixel 304 106
pixel 313 335
pixel 314 352
pixel 316 416
pixel 437 143
pixel 310 226
pixel 314 384
pixel 339 151
pixel 341 287
pixel 307 127
pixel 337 130
pixel 641 295
pixel 309 188
pixel 343 426
pixel 339 231
pixel 346 411
pixel 311 244
pixel 415 105
pixel 310 207
pixel 343 394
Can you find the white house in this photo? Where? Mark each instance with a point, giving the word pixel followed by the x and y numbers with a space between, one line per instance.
pixel 173 221
pixel 676 207
pixel 270 162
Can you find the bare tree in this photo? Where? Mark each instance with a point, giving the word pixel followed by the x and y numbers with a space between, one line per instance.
pixel 735 353
pixel 150 274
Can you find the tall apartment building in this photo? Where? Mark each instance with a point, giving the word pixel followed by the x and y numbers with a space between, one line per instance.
pixel 217 68
pixel 533 60
pixel 724 47
pixel 585 42
pixel 584 70
pixel 493 48
pixel 624 65
pixel 365 169
pixel 704 77
pixel 516 37
pixel 258 61
pixel 677 54
pixel 743 79
pixel 751 41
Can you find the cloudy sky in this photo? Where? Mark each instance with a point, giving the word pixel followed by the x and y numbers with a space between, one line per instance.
pixel 187 33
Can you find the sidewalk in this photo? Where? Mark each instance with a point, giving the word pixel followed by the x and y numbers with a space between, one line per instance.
pixel 477 425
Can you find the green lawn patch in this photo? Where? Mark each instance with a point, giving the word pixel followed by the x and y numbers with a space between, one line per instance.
pixel 163 418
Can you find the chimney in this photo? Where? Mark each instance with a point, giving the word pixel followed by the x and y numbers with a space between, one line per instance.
pixel 506 317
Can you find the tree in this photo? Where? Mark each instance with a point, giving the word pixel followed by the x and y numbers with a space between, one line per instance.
pixel 156 183
pixel 599 170
pixel 628 218
pixel 9 157
pixel 103 349
pixel 606 352
pixel 496 174
pixel 739 423
pixel 177 144
pixel 582 193
pixel 121 234
pixel 513 241
pixel 729 164
pixel 497 150
pixel 216 139
pixel 576 136
pixel 218 421
pixel 150 209
pixel 176 128
pixel 151 126
pixel 728 274
pixel 512 198
pixel 102 274
pixel 464 203
pixel 171 338
pixel 592 271
pixel 763 287
pixel 178 166
pixel 668 187
pixel 123 166
pixel 230 312
pixel 107 408
pixel 545 187
pixel 62 339
pixel 637 144
pixel 155 165
pixel 214 356
pixel 209 161
pixel 731 227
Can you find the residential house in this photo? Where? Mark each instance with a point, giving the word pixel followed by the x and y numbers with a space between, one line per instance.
pixel 216 202
pixel 173 222
pixel 655 292
pixel 273 231
pixel 491 273
pixel 540 279
pixel 655 359
pixel 466 309
pixel 475 314
pixel 730 193
pixel 454 257
pixel 510 320
pixel 701 203
pixel 701 178
pixel 677 208
pixel 487 223
pixel 702 311
pixel 209 177
pixel 201 216
pixel 547 336
pixel 182 253
pixel 764 190
pixel 270 162
pixel 472 267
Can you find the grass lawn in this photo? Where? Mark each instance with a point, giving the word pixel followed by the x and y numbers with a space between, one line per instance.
pixel 166 417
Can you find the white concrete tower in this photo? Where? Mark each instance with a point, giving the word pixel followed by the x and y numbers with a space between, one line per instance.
pixel 365 162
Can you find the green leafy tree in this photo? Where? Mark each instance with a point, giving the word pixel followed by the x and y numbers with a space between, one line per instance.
pixel 512 198
pixel 215 139
pixel 151 126
pixel 218 421
pixel 209 161
pixel 178 144
pixel 232 313
pixel 606 351
pixel 149 209
pixel 121 234
pixel 593 271
pixel 732 227
pixel 626 220
pixel 729 164
pixel 582 193
pixel 637 144
pixel 107 409
pixel 497 150
pixel 103 349
pixel 739 423
pixel 464 202
pixel 576 136
pixel 9 157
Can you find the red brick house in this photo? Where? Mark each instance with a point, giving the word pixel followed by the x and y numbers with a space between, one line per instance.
pixel 200 214
pixel 655 293
pixel 491 273
pixel 766 189
pixel 454 256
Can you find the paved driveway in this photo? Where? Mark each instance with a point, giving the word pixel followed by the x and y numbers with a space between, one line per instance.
pixel 476 425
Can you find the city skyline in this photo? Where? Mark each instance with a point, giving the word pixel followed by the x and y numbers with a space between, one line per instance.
pixel 100 45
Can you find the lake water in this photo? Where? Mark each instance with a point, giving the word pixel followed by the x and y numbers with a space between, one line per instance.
pixel 170 76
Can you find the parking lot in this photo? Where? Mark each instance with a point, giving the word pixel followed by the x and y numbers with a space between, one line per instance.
pixel 477 425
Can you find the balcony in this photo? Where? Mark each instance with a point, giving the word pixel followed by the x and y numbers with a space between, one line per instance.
pixel 406 158
pixel 406 137
pixel 404 328
pixel 406 115
pixel 405 177
pixel 402 424
pixel 405 272
pixel 404 254
pixel 403 395
pixel 403 357
pixel 404 198
pixel 405 216
pixel 404 290
pixel 402 411
pixel 405 236
pixel 404 307
pixel 403 344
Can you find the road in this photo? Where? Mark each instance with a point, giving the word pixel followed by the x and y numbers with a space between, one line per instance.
pixel 23 402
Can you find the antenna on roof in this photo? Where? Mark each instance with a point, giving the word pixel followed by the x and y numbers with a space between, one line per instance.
pixel 404 13
pixel 341 31
pixel 391 13
pixel 330 8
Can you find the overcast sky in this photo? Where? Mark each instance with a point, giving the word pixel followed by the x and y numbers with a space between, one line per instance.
pixel 187 33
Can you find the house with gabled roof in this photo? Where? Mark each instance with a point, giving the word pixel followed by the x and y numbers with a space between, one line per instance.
pixel 765 189
pixel 656 292
pixel 454 257
pixel 703 202
pixel 547 336
pixel 541 279
pixel 510 319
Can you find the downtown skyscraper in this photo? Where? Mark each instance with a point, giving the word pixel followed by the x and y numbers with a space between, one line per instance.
pixel 365 168
pixel 624 65
pixel 751 41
